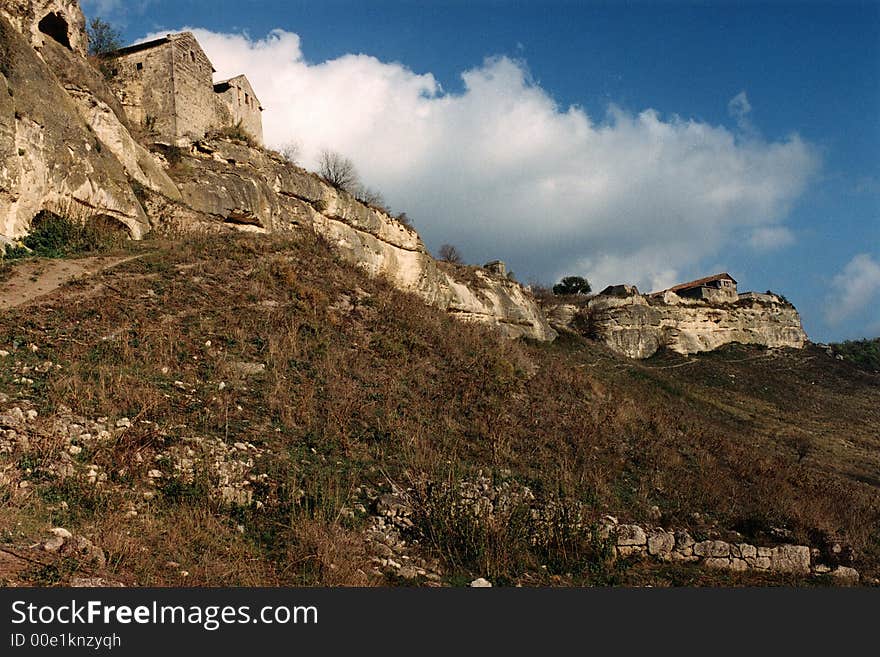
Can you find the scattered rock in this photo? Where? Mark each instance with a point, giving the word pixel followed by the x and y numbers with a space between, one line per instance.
pixel 481 583
pixel 845 575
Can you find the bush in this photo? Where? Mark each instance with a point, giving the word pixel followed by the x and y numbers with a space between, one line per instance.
pixel 235 132
pixel 862 353
pixel 55 236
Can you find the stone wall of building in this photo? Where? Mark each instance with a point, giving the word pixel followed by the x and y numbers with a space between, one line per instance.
pixel 196 108
pixel 238 97
pixel 142 82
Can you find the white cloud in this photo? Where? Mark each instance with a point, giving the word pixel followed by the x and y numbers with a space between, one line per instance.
pixel 503 172
pixel 769 238
pixel 855 291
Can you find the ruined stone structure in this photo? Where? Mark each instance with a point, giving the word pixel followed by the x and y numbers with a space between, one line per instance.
pixel 166 86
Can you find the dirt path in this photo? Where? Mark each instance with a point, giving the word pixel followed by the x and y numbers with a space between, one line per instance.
pixel 34 278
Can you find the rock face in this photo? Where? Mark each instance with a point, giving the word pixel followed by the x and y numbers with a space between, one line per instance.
pixel 41 21
pixel 259 191
pixel 637 325
pixel 50 158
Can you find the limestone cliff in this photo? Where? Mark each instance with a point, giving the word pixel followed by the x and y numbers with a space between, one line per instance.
pixel 50 158
pixel 637 326
pixel 257 190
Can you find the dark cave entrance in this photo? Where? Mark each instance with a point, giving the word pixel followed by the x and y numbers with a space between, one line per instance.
pixel 55 26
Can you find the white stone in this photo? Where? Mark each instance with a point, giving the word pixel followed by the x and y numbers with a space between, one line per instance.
pixel 481 583
pixel 845 575
pixel 661 543
pixel 716 549
pixel 628 535
pixel 790 559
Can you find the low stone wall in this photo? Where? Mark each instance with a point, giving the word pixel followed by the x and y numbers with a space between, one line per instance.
pixel 680 546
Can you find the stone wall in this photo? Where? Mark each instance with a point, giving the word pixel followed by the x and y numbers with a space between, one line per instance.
pixel 196 108
pixel 665 545
pixel 637 326
pixel 146 93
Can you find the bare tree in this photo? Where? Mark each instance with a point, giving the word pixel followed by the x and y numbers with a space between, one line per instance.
pixel 338 171
pixel 449 253
pixel 370 197
pixel 291 152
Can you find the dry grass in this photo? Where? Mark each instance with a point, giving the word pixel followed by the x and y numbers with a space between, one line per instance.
pixel 381 387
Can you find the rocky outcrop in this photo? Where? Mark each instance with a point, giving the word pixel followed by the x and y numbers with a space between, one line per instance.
pixel 259 191
pixel 637 325
pixel 50 158
pixel 42 21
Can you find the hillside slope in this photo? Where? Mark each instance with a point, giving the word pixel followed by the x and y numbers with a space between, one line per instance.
pixel 236 409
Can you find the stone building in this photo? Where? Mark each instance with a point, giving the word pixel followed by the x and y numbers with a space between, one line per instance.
pixel 166 85
pixel 243 105
pixel 719 287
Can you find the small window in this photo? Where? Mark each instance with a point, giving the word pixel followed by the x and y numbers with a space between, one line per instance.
pixel 247 100
pixel 140 66
pixel 192 56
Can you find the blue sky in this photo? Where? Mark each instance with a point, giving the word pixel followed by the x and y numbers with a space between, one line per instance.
pixel 630 142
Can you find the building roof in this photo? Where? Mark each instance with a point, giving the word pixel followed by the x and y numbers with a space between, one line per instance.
pixel 147 45
pixel 700 282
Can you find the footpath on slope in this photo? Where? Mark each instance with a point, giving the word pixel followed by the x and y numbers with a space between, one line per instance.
pixel 31 279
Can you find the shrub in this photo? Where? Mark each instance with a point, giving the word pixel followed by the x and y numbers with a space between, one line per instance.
pixel 235 132
pixel 58 235
pixel 862 353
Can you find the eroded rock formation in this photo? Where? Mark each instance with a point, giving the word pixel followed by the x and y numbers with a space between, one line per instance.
pixel 637 325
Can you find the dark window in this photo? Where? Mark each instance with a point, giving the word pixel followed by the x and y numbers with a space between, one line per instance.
pixel 140 66
pixel 53 25
pixel 192 56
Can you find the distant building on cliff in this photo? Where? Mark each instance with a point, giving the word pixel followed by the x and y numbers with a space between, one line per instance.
pixel 166 86
pixel 719 287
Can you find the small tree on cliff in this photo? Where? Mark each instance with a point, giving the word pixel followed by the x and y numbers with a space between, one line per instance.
pixel 572 285
pixel 449 253
pixel 338 171
pixel 103 37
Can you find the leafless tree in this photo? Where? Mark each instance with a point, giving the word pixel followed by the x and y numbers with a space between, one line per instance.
pixel 449 253
pixel 291 152
pixel 370 197
pixel 338 171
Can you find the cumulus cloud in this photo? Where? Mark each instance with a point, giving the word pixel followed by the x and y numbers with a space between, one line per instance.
pixel 502 171
pixel 855 292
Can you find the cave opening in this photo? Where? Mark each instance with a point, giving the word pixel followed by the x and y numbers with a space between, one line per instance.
pixel 54 25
